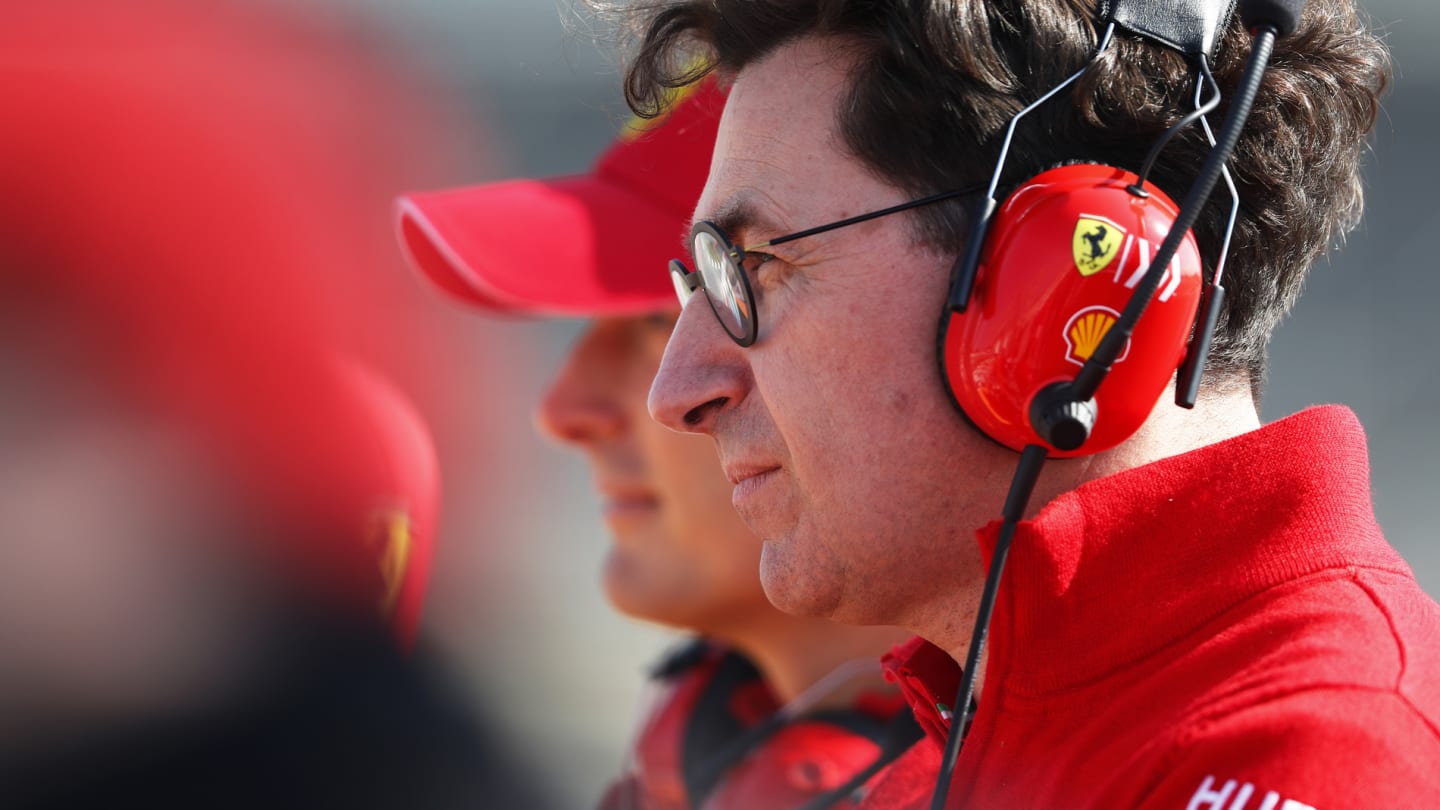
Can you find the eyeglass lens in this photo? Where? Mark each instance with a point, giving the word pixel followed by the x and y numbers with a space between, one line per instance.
pixel 723 284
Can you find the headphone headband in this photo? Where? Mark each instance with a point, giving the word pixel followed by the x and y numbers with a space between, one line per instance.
pixel 1191 27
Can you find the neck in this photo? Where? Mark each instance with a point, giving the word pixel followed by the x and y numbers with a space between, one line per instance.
pixel 1222 412
pixel 794 654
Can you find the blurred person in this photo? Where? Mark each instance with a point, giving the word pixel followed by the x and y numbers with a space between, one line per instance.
pixel 216 517
pixel 189 578
pixel 760 710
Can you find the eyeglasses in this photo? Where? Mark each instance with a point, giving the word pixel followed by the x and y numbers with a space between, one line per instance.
pixel 720 266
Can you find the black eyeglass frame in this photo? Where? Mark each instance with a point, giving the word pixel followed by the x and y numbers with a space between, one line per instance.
pixel 687 282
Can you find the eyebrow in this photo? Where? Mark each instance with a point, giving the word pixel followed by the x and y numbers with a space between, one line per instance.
pixel 740 215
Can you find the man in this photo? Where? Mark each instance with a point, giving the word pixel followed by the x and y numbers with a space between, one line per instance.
pixel 680 556
pixel 1204 616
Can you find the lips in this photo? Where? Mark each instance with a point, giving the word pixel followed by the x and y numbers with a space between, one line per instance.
pixel 738 473
pixel 621 502
pixel 749 480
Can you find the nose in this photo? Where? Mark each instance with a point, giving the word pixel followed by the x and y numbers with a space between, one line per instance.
pixel 579 408
pixel 702 375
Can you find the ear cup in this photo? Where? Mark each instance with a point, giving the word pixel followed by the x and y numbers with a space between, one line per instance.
pixel 1061 258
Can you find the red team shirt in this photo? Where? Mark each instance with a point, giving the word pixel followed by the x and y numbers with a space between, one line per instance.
pixel 1222 630
pixel 706 742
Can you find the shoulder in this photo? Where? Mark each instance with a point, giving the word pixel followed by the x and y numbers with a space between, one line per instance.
pixel 801 761
pixel 702 700
pixel 685 657
pixel 1412 619
pixel 700 676
pixel 1315 748
pixel 825 758
pixel 908 782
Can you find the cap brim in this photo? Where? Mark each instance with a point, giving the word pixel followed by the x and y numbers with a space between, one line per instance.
pixel 572 246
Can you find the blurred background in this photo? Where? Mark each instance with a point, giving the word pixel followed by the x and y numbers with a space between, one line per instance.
pixel 504 88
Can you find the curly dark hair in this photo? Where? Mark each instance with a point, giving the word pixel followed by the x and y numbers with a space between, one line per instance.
pixel 934 79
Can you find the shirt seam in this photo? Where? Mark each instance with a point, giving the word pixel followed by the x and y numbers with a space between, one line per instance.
pixel 1201 726
pixel 1337 573
pixel 1400 649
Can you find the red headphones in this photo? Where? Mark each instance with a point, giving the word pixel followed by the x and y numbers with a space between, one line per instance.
pixel 1058 262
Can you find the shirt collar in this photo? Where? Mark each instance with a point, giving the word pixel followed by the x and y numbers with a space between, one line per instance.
pixel 1120 567
pixel 1116 569
pixel 928 679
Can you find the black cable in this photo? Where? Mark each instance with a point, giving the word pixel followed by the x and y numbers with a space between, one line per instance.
pixel 713 768
pixel 828 799
pixel 1175 129
pixel 901 733
pixel 1032 460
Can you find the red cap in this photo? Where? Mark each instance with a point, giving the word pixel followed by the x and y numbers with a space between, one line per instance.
pixel 583 245
pixel 357 445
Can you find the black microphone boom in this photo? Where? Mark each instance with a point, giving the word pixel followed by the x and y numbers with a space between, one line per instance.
pixel 1027 472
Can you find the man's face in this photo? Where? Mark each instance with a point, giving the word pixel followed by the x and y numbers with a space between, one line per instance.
pixel 848 457
pixel 681 556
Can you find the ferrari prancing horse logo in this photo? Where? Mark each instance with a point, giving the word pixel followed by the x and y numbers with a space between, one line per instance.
pixel 1095 244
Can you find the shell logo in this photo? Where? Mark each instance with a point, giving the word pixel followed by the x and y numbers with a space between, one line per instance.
pixel 1084 331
